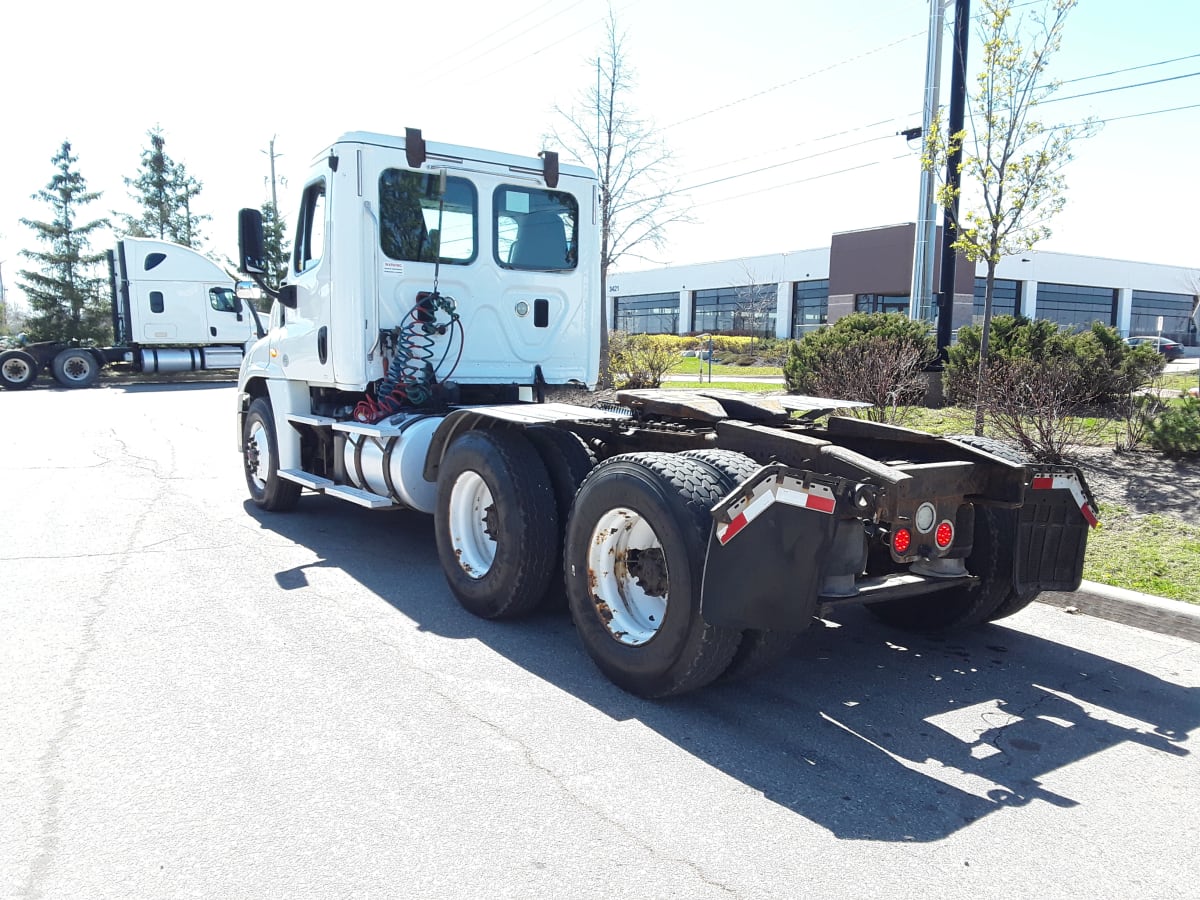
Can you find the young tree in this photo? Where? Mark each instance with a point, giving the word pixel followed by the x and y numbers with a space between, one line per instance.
pixel 631 160
pixel 65 296
pixel 164 191
pixel 1013 161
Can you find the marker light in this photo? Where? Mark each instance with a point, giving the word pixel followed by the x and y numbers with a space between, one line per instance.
pixel 925 517
pixel 944 534
pixel 901 541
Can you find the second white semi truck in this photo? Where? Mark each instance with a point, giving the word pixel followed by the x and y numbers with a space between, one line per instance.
pixel 173 310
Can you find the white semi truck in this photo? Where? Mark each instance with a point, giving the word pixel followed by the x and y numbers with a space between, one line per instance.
pixel 173 310
pixel 441 319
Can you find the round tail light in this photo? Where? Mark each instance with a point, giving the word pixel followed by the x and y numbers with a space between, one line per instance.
pixel 901 541
pixel 944 535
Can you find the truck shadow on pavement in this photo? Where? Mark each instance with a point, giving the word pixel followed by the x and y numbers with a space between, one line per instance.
pixel 865 731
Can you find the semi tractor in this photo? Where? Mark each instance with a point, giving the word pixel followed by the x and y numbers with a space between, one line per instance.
pixel 173 310
pixel 433 349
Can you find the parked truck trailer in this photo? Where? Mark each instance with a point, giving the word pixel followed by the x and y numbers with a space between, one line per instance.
pixel 440 323
pixel 173 310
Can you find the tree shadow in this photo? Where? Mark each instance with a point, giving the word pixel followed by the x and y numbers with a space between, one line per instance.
pixel 869 733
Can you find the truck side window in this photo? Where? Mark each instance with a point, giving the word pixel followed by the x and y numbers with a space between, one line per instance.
pixel 535 229
pixel 223 299
pixel 156 301
pixel 310 229
pixel 410 210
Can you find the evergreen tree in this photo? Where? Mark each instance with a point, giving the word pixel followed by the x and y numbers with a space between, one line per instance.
pixel 275 245
pixel 65 294
pixel 165 192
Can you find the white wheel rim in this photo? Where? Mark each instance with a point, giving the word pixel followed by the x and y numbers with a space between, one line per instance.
pixel 258 455
pixel 77 368
pixel 471 507
pixel 628 575
pixel 16 370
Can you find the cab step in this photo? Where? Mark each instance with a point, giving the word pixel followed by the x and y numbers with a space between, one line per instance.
pixel 369 499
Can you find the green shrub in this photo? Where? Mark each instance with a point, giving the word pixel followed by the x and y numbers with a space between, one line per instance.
pixel 1176 431
pixel 1105 368
pixel 640 360
pixel 873 357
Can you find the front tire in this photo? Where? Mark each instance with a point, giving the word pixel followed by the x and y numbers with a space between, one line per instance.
pixel 75 368
pixel 634 557
pixel 18 370
pixel 496 524
pixel 260 454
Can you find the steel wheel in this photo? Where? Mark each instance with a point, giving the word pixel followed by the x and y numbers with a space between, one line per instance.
pixel 472 513
pixel 258 456
pixel 630 588
pixel 74 368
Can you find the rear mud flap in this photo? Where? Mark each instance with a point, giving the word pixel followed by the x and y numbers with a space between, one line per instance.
pixel 1052 531
pixel 766 550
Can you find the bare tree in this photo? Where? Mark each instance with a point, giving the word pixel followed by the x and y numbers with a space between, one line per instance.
pixel 756 300
pixel 877 369
pixel 632 163
pixel 1037 405
pixel 1014 161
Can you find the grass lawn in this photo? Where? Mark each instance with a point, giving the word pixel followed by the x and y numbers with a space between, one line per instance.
pixel 755 387
pixel 693 365
pixel 1153 554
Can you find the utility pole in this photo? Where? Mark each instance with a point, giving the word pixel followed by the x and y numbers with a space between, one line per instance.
pixel 921 296
pixel 3 300
pixel 272 154
pixel 958 103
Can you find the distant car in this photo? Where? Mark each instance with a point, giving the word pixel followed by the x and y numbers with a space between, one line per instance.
pixel 1170 349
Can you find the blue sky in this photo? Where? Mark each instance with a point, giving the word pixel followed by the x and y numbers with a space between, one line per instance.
pixel 813 92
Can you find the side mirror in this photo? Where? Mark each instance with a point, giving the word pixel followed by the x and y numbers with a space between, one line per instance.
pixel 287 296
pixel 250 242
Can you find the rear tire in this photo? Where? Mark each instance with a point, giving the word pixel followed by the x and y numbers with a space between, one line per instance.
pixel 568 461
pixel 75 368
pixel 760 649
pixel 993 597
pixel 634 555
pixel 260 456
pixel 18 370
pixel 496 524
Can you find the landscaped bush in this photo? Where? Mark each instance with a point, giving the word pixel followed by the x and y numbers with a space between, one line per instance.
pixel 640 360
pixel 878 358
pixel 1105 369
pixel 1176 431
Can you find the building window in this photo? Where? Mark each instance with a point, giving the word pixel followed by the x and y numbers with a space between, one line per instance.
pixel 1176 311
pixel 810 306
pixel 417 225
pixel 535 229
pixel 1076 307
pixel 647 314
pixel 749 310
pixel 1006 297
pixel 880 303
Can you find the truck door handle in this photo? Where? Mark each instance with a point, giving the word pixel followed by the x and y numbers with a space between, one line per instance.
pixel 323 343
pixel 212 329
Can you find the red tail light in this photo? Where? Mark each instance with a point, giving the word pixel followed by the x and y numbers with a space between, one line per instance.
pixel 944 535
pixel 901 541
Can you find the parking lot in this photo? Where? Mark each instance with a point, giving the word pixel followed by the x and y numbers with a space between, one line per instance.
pixel 199 699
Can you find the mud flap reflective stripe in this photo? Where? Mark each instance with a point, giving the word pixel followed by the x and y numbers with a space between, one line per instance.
pixel 1059 481
pixel 789 490
pixel 769 577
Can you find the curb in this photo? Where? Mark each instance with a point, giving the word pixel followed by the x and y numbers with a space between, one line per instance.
pixel 1145 611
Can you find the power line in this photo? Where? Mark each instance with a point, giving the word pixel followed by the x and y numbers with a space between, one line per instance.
pixel 1123 87
pixel 1162 62
pixel 793 81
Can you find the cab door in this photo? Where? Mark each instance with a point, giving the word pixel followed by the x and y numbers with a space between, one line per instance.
pixel 228 320
pixel 302 344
